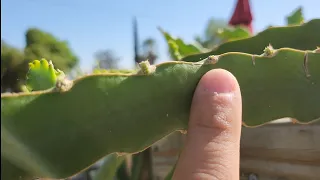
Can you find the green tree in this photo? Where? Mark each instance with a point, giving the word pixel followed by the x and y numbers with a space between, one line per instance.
pixel 41 44
pixel 12 67
pixel 149 50
pixel 106 59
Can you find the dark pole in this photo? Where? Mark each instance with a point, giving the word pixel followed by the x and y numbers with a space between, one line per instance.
pixel 135 41
pixel 146 172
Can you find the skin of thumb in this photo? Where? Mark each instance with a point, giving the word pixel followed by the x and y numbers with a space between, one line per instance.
pixel 213 140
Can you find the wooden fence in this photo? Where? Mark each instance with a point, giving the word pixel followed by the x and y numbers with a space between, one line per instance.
pixel 277 151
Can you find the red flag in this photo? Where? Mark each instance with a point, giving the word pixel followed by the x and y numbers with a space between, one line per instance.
pixel 242 15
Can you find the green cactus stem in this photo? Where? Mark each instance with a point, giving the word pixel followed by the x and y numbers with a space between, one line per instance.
pixel 58 134
pixel 304 37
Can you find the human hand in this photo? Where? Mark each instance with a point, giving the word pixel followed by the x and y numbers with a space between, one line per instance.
pixel 213 140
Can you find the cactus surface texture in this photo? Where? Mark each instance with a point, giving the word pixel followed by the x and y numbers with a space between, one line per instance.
pixel 303 37
pixel 56 134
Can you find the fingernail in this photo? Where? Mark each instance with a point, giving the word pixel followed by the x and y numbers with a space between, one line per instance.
pixel 219 81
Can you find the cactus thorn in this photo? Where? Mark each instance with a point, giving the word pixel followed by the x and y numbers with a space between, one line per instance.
pixel 269 51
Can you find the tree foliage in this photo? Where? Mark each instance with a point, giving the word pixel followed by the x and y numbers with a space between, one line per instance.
pixel 149 50
pixel 39 44
pixel 106 59
pixel 12 67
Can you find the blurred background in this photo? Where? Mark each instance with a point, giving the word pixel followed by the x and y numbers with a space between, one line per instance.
pixel 81 36
pixel 78 35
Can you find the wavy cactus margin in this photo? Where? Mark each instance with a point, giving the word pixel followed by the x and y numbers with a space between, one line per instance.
pixel 303 37
pixel 48 127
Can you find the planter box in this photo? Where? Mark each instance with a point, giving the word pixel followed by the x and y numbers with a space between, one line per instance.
pixel 278 151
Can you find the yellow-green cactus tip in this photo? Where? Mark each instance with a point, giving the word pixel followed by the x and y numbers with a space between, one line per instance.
pixel 31 65
pixel 51 67
pixel 44 63
pixel 42 75
pixel 36 63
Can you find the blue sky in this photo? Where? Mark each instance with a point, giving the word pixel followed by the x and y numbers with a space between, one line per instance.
pixel 93 25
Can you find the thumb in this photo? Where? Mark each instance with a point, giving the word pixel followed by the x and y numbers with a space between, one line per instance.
pixel 213 140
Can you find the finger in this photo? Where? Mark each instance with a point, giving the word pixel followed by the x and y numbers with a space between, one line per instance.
pixel 213 140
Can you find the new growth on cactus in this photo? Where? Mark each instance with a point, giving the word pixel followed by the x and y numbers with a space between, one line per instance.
pixel 42 75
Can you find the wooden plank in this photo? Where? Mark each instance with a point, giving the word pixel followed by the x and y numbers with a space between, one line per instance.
pixel 165 154
pixel 277 151
pixel 283 150
pixel 279 169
